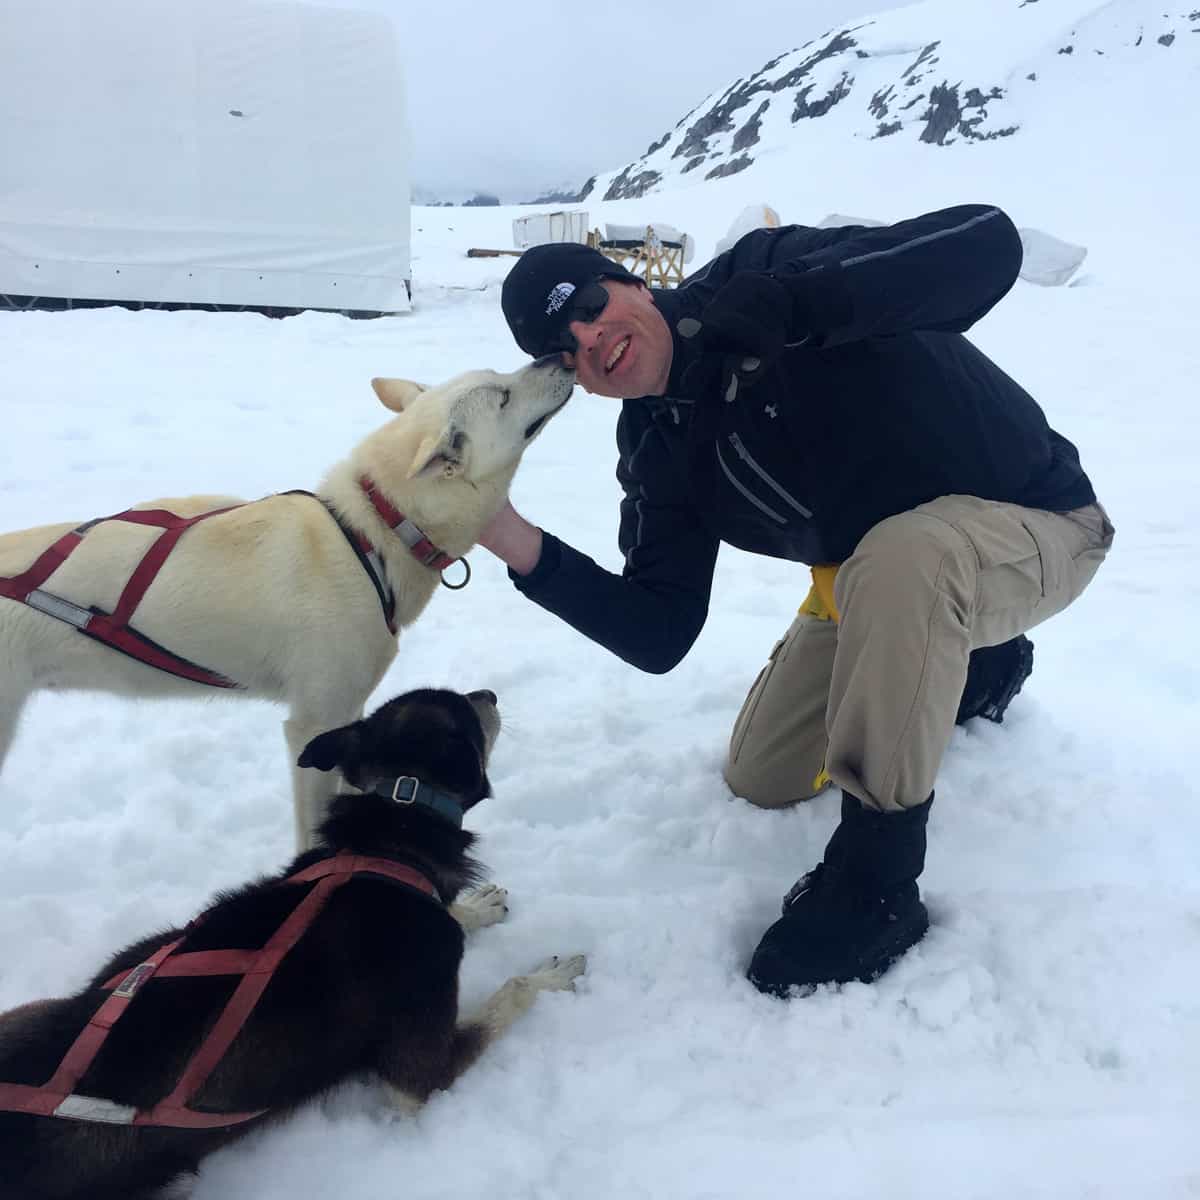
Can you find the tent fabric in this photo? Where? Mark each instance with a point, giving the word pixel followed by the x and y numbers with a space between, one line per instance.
pixel 235 152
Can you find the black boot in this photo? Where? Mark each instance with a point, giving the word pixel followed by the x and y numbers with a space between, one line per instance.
pixel 857 911
pixel 994 676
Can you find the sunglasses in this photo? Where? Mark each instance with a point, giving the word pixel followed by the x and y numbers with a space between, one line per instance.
pixel 587 303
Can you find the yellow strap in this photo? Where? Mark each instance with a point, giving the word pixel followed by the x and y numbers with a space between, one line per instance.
pixel 819 602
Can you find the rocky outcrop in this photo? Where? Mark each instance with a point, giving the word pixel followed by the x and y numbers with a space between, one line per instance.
pixel 948 114
pixel 882 81
pixel 631 183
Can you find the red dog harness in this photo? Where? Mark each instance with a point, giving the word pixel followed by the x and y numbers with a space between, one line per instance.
pixel 57 1097
pixel 113 629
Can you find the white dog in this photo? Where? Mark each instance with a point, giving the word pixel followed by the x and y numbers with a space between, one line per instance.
pixel 273 598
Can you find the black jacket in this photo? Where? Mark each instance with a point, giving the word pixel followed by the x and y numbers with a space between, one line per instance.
pixel 885 406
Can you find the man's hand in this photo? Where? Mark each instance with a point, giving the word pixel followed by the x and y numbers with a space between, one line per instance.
pixel 513 539
pixel 747 323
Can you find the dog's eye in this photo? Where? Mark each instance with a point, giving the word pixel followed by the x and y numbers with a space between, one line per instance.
pixel 505 396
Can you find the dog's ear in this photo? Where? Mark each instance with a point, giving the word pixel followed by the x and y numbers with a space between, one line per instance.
pixel 439 455
pixel 328 751
pixel 396 394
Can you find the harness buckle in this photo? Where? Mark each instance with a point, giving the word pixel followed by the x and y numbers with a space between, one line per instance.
pixel 410 793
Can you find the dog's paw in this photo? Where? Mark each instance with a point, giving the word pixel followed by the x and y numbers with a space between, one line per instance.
pixel 516 996
pixel 558 974
pixel 486 905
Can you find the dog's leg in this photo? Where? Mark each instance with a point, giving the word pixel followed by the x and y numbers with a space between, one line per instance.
pixel 499 1012
pixel 12 701
pixel 311 789
pixel 507 1003
pixel 486 905
pixel 515 997
pixel 182 1187
pixel 404 1104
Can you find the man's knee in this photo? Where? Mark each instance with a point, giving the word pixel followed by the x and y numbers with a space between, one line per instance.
pixel 777 747
pixel 767 786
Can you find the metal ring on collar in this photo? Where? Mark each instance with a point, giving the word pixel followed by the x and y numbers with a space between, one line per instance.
pixel 457 587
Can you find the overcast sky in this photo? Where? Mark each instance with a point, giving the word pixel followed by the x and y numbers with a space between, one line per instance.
pixel 516 97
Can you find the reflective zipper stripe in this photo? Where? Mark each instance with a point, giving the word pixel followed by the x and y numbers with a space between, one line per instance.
pixel 928 237
pixel 747 493
pixel 638 504
pixel 746 457
pixel 639 508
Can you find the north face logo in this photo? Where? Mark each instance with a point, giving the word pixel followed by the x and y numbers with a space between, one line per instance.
pixel 559 295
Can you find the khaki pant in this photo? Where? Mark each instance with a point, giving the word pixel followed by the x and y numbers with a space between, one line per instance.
pixel 870 703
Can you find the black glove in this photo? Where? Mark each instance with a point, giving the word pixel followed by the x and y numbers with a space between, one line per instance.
pixel 748 323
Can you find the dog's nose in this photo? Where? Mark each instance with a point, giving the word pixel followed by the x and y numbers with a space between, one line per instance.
pixel 485 694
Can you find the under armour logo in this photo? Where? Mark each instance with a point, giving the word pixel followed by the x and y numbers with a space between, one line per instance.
pixel 772 410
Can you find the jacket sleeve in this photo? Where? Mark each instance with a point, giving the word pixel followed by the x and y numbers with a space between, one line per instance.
pixel 940 272
pixel 650 614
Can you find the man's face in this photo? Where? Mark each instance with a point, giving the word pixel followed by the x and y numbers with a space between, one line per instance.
pixel 626 351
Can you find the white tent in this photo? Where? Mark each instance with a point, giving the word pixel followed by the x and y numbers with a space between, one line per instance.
pixel 202 152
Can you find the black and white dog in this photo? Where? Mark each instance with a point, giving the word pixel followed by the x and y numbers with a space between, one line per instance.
pixel 369 985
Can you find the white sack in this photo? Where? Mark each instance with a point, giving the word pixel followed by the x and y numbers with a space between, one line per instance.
pixel 756 216
pixel 837 220
pixel 1048 261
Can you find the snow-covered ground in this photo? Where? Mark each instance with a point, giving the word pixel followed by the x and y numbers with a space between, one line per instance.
pixel 1044 1039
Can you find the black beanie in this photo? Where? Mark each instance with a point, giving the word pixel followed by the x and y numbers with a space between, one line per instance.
pixel 535 293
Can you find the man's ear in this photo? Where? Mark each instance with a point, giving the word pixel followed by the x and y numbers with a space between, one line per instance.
pixel 396 394
pixel 328 751
pixel 439 455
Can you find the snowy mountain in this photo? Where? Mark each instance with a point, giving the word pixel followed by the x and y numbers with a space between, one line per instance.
pixel 941 73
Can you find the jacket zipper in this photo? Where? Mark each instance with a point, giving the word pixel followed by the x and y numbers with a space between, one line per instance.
pixel 741 487
pixel 736 442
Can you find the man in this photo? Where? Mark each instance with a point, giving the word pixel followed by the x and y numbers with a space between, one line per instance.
pixel 809 395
